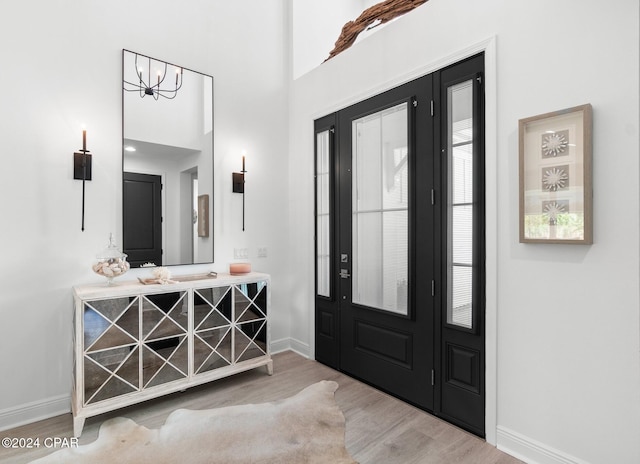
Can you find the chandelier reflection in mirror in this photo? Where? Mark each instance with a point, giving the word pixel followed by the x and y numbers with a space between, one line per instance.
pixel 147 67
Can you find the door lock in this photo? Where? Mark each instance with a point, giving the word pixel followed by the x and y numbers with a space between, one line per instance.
pixel 344 274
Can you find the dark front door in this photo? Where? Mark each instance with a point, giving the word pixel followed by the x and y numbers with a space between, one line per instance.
pixel 142 219
pixel 386 325
pixel 400 244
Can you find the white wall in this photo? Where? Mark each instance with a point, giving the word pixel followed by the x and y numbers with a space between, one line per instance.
pixel 564 386
pixel 61 64
pixel 316 26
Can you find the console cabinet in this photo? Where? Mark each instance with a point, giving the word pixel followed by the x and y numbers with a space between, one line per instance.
pixel 134 342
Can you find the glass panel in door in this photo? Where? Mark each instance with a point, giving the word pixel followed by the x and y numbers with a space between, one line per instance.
pixel 460 205
pixel 323 225
pixel 380 210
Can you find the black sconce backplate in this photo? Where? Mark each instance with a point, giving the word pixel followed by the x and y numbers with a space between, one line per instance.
pixel 238 182
pixel 78 159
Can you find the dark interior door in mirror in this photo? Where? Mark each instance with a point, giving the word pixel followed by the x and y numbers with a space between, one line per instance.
pixel 167 115
pixel 142 218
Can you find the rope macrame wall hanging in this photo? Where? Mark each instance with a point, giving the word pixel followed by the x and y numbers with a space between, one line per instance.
pixel 381 12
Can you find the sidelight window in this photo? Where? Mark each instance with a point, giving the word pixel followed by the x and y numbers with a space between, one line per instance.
pixel 460 265
pixel 323 214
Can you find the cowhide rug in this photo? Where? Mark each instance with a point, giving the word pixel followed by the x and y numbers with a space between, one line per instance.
pixel 306 428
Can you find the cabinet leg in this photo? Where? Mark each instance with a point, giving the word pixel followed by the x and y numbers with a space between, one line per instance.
pixel 78 425
pixel 270 367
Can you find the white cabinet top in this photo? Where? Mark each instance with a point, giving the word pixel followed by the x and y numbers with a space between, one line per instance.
pixel 135 287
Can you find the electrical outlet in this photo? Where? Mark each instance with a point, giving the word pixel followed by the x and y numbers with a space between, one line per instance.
pixel 262 252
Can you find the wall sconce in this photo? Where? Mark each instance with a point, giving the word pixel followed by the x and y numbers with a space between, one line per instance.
pixel 238 186
pixel 82 167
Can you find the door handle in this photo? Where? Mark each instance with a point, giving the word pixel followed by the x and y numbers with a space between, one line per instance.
pixel 344 274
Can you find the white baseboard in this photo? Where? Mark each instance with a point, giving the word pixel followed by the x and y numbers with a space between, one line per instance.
pixel 531 451
pixel 35 411
pixel 292 344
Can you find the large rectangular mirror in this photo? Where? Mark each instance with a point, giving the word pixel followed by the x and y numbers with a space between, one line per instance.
pixel 167 159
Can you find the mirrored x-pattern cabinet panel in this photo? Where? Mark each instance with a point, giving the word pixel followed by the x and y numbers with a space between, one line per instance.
pixel 250 308
pixel 165 348
pixel 212 328
pixel 111 355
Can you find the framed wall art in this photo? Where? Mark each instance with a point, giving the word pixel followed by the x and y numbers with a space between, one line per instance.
pixel 203 215
pixel 555 177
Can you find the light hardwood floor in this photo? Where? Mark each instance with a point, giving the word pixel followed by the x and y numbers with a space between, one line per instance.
pixel 380 429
